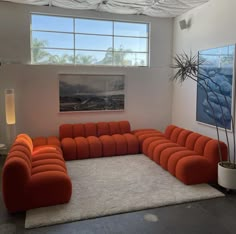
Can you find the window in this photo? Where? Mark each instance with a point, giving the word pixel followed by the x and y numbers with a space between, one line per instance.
pixel 66 40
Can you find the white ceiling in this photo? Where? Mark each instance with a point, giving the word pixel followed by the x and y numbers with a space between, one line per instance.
pixel 155 8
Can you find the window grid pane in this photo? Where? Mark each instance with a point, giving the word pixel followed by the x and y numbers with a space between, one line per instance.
pixel 88 41
pixel 130 29
pixel 52 23
pixel 130 44
pixel 93 42
pixel 89 26
pixel 53 40
pixel 52 56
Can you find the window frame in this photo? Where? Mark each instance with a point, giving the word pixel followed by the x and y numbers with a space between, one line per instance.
pixel 74 33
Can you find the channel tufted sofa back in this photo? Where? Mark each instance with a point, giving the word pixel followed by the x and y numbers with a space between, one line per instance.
pixel 202 145
pixel 92 140
pixel 93 129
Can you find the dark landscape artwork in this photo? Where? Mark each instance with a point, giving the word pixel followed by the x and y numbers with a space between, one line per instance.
pixel 91 92
pixel 216 74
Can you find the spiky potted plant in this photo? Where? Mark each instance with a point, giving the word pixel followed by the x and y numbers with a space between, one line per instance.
pixel 188 67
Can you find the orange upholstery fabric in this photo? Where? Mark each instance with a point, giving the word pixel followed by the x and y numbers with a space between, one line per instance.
pixel 68 146
pixel 103 129
pixel 114 128
pixel 194 170
pixel 66 131
pixel 124 127
pixel 82 148
pixel 189 156
pixel 148 141
pixel 132 143
pixel 121 144
pixel 93 129
pixel 90 129
pixel 108 145
pixel 91 140
pixel 78 130
pixel 95 147
pixel 34 177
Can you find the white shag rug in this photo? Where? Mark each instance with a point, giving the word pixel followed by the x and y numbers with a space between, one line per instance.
pixel 112 185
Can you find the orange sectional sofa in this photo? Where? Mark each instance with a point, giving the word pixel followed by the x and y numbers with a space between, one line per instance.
pixel 35 170
pixel 189 156
pixel 92 140
pixel 34 174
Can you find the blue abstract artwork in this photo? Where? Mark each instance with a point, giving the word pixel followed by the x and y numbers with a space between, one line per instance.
pixel 215 89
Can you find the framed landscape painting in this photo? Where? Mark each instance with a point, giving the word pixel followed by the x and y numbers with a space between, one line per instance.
pixel 91 92
pixel 215 89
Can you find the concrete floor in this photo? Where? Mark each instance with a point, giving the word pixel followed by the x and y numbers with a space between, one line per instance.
pixel 214 216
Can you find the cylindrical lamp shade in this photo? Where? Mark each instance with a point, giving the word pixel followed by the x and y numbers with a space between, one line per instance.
pixel 10 106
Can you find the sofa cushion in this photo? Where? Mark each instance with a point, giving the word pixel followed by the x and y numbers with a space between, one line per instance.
pixel 183 137
pixel 93 129
pixel 46 149
pixel 77 130
pixel 108 145
pixel 132 143
pixel 90 129
pixel 167 153
pixel 175 134
pixel 120 144
pixel 66 131
pixel 47 167
pixel 20 141
pixel 191 140
pixel 50 161
pixel 68 146
pixel 47 155
pixel 103 129
pixel 95 147
pixel 82 148
pixel 114 128
pixel 176 157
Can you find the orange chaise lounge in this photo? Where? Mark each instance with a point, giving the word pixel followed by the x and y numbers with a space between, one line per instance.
pixel 189 156
pixel 34 174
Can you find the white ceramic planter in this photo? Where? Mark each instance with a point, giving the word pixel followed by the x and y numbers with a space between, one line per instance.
pixel 226 177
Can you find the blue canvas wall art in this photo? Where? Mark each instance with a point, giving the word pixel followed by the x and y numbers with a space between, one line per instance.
pixel 215 89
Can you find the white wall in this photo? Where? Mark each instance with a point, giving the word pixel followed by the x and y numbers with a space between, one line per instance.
pixel 213 25
pixel 148 90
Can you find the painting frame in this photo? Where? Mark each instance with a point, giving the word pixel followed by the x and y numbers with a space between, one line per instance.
pixel 218 64
pixel 91 92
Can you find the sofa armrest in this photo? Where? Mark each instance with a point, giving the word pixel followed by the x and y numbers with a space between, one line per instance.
pixel 195 169
pixel 15 176
pixel 211 151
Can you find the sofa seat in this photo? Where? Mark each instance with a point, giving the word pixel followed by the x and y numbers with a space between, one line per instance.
pixel 92 140
pixel 143 134
pixel 189 156
pixel 34 177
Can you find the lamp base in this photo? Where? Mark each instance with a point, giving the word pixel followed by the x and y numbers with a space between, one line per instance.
pixel 11 134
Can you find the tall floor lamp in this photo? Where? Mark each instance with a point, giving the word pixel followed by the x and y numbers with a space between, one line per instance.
pixel 10 115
